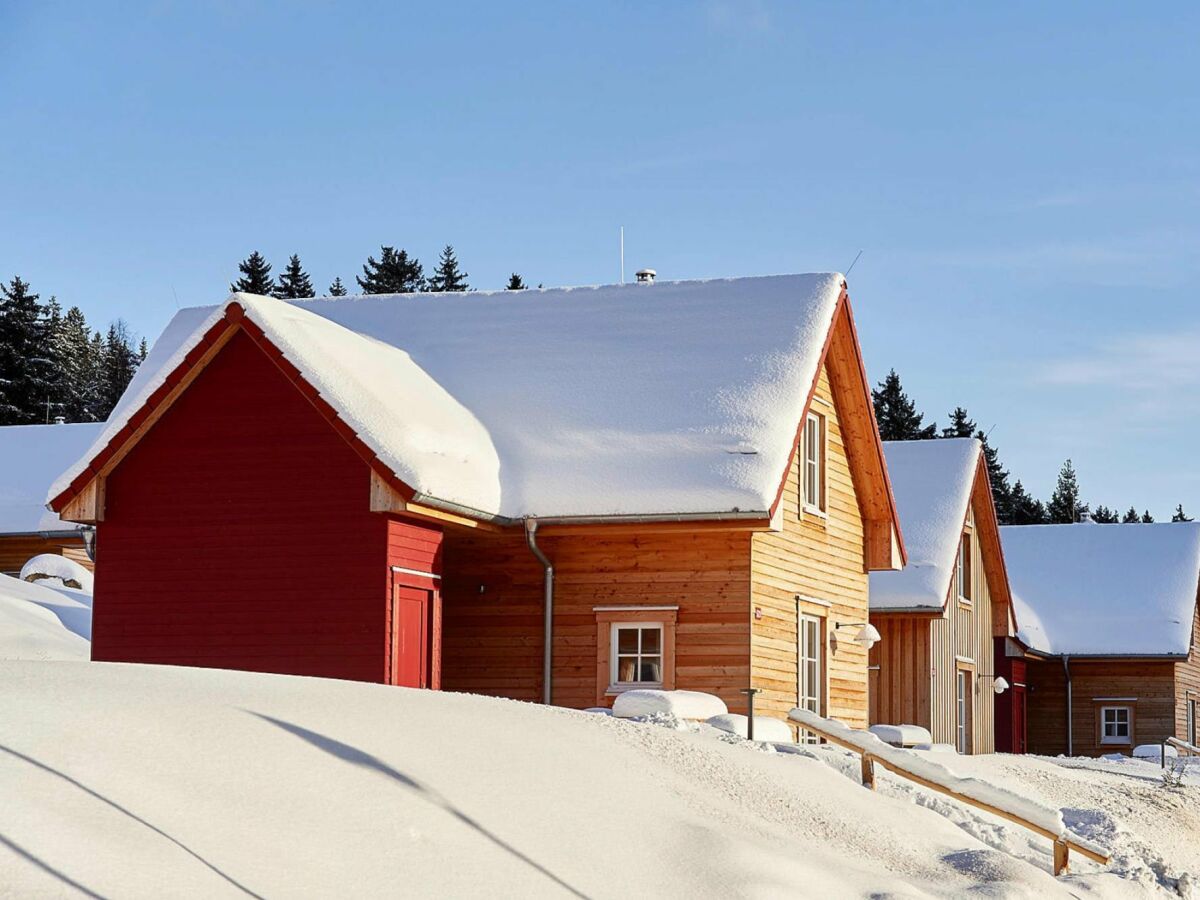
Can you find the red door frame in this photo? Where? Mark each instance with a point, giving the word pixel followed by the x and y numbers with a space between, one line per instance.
pixel 432 674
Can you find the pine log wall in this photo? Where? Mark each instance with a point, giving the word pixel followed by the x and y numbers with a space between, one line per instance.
pixel 820 558
pixel 492 609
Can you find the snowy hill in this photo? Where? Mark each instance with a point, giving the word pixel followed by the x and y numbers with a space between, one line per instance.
pixel 140 781
pixel 42 622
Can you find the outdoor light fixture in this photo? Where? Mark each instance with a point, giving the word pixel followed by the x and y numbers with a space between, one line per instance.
pixel 999 685
pixel 868 634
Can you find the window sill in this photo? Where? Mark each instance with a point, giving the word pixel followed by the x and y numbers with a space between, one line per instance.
pixel 814 511
pixel 965 604
pixel 614 689
pixel 1116 742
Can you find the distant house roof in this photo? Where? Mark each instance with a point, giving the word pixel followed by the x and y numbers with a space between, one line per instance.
pixel 1104 590
pixel 677 398
pixel 30 457
pixel 932 481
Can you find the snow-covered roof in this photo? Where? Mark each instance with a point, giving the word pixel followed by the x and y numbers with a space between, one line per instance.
pixel 30 457
pixel 671 398
pixel 932 482
pixel 1104 590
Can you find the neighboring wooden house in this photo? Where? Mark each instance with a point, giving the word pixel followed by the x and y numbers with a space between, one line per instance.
pixel 939 617
pixel 1108 633
pixel 30 457
pixel 547 495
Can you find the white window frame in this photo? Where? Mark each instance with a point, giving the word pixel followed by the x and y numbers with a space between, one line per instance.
pixel 615 656
pixel 1191 722
pixel 810 684
pixel 812 457
pixel 1128 723
pixel 964 715
pixel 964 571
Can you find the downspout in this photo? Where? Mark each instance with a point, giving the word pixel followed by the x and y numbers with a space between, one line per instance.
pixel 548 609
pixel 1070 722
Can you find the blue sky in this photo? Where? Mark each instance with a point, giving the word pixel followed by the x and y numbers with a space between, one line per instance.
pixel 1024 178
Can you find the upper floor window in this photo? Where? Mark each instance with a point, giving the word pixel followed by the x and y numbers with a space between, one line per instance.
pixel 812 475
pixel 963 570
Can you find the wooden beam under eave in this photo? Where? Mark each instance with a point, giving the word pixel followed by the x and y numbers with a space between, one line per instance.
pixel 881 546
pixel 86 507
pixel 386 499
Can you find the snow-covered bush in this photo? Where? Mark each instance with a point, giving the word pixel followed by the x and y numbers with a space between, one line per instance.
pixel 684 704
pixel 53 566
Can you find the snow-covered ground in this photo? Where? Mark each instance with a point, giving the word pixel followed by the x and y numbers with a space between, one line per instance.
pixel 140 781
pixel 44 620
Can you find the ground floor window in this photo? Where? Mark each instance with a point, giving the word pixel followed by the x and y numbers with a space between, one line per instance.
pixel 963 705
pixel 1116 724
pixel 637 653
pixel 1191 722
pixel 811 680
pixel 635 648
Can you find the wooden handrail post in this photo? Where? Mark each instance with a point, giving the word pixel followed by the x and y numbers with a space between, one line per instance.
pixel 868 771
pixel 1062 862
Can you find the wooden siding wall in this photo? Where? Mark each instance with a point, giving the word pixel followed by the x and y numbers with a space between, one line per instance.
pixel 1187 681
pixel 965 634
pixel 239 539
pixel 1151 682
pixel 492 638
pixel 819 558
pixel 18 549
pixel 918 658
pixel 900 686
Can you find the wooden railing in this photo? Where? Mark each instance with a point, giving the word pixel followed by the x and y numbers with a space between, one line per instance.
pixel 1064 842
pixel 1188 749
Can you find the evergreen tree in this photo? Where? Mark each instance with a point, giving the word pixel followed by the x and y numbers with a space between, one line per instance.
pixel 337 289
pixel 1065 506
pixel 960 426
pixel 515 283
pixel 118 362
pixel 1025 509
pixel 1131 517
pixel 143 352
pixel 52 346
pixel 1147 519
pixel 897 415
pixel 447 276
pixel 1105 516
pixel 74 357
pixel 1180 515
pixel 256 276
pixel 26 379
pixel 394 273
pixel 1002 492
pixel 294 283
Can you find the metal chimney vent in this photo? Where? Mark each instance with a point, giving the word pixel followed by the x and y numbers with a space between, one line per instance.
pixel 646 276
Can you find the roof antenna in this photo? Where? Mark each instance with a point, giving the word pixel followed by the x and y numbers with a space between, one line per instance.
pixel 622 254
pixel 847 272
pixel 175 294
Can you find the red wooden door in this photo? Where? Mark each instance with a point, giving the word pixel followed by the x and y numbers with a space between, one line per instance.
pixel 1018 719
pixel 411 614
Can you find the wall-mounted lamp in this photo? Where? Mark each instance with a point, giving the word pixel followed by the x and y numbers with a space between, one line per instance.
pixel 868 635
pixel 999 685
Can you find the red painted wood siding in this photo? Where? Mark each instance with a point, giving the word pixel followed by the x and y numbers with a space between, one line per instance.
pixel 237 534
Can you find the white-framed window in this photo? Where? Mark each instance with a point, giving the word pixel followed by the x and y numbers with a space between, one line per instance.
pixel 1116 725
pixel 963 706
pixel 1191 722
pixel 810 682
pixel 963 569
pixel 812 473
pixel 637 653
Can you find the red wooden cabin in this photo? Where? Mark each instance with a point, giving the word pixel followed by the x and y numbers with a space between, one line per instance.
pixel 304 487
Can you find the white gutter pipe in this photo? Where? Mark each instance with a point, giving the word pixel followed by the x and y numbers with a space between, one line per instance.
pixel 1070 722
